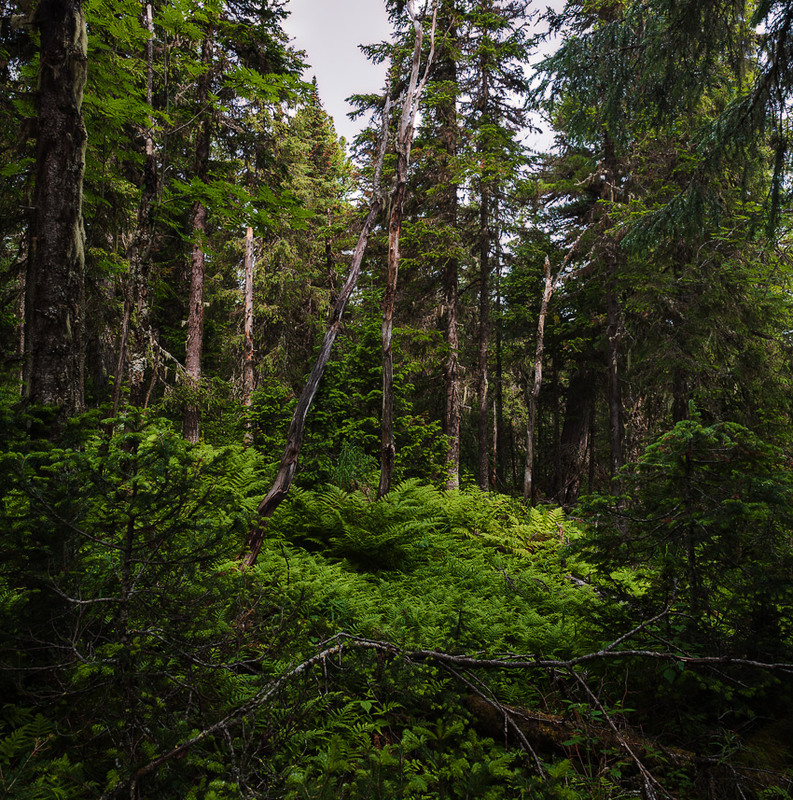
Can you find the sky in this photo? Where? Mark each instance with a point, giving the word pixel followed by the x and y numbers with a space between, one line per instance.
pixel 330 32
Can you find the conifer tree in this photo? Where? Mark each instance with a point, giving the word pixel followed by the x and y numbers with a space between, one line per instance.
pixel 55 285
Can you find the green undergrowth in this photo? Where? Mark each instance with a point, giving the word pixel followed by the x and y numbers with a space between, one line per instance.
pixel 139 660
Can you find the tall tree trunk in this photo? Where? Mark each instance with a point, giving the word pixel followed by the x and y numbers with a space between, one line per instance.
pixel 247 367
pixel 404 139
pixel 534 393
pixel 484 339
pixel 294 439
pixel 497 467
pixel 198 225
pixel 449 134
pixel 55 283
pixel 136 333
pixel 387 445
pixel 613 315
pixel 575 438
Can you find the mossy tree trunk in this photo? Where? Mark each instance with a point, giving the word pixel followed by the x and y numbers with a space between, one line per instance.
pixel 55 285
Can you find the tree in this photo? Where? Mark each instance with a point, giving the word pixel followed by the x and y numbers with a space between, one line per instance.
pixel 55 285
pixel 402 145
pixel 494 44
pixel 294 440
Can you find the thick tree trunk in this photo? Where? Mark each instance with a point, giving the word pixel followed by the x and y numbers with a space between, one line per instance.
pixel 575 438
pixel 55 283
pixel 247 366
pixel 294 439
pixel 198 225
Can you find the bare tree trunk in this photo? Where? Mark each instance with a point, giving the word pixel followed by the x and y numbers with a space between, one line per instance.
pixel 198 224
pixel 497 467
pixel 534 394
pixel 528 473
pixel 135 339
pixel 449 133
pixel 294 439
pixel 613 320
pixel 55 282
pixel 484 339
pixel 247 367
pixel 404 140
pixel 613 332
pixel 451 375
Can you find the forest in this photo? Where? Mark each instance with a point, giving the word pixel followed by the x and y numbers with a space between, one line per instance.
pixel 425 466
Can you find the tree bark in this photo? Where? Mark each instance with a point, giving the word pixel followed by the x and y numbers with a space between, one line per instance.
pixel 198 225
pixel 294 439
pixel 404 140
pixel 55 283
pixel 497 467
pixel 449 134
pixel 575 438
pixel 534 394
pixel 136 333
pixel 613 316
pixel 247 367
pixel 484 339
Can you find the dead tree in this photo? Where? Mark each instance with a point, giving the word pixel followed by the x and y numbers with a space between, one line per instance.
pixel 294 439
pixel 404 140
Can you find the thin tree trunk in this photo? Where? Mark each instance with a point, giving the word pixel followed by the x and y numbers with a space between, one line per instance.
pixel 140 252
pixel 613 321
pixel 497 468
pixel 55 283
pixel 528 473
pixel 247 367
pixel 533 395
pixel 451 374
pixel 484 340
pixel 198 225
pixel 135 333
pixel 613 331
pixel 448 134
pixel 294 439
pixel 403 143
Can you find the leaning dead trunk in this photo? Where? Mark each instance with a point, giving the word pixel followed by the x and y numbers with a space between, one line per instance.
pixel 403 142
pixel 294 439
pixel 55 283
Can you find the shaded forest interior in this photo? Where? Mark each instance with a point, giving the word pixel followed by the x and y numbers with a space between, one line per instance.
pixel 422 466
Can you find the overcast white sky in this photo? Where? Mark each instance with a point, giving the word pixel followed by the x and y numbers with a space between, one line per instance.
pixel 330 32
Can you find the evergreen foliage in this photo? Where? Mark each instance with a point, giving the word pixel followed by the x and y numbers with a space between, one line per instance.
pixel 445 640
